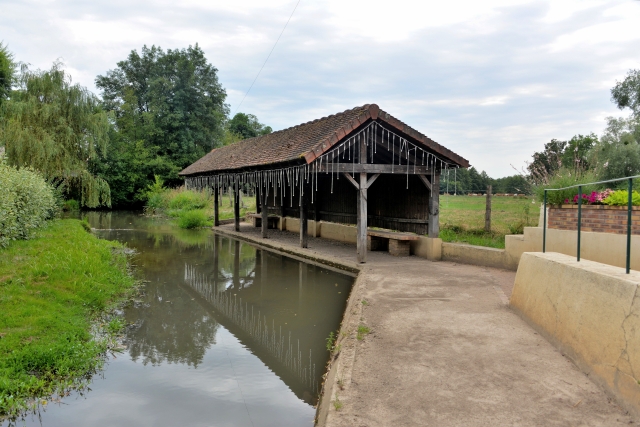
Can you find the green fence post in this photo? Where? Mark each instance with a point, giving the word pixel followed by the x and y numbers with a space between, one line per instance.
pixel 544 224
pixel 629 207
pixel 579 217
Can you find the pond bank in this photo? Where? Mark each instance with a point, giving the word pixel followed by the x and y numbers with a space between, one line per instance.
pixel 53 290
pixel 443 349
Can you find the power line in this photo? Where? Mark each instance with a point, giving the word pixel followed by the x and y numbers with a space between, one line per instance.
pixel 268 56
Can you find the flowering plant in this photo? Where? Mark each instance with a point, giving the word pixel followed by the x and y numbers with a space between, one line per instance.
pixel 595 198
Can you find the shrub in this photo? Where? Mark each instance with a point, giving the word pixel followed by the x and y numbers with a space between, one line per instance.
pixel 566 178
pixel 188 200
pixel 70 205
pixel 621 198
pixel 192 219
pixel 26 202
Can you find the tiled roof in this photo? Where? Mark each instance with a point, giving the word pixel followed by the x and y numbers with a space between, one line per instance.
pixel 305 142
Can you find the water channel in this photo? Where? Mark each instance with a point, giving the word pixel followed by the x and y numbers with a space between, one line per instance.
pixel 224 334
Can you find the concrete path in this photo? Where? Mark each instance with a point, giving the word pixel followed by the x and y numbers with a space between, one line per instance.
pixel 445 350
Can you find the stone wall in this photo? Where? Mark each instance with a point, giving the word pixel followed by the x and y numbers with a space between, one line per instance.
pixel 596 218
pixel 591 312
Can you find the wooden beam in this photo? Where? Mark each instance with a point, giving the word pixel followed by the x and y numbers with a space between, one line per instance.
pixel 236 206
pixel 216 208
pixel 372 180
pixel 434 207
pixel 304 226
pixel 425 180
pixel 351 180
pixel 361 245
pixel 265 214
pixel 369 168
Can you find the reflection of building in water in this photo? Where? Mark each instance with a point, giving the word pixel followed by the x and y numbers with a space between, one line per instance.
pixel 278 344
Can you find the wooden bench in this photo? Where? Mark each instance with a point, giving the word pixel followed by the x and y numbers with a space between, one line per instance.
pixel 398 244
pixel 256 220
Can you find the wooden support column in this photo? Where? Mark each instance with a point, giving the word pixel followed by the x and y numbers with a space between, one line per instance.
pixel 434 206
pixel 236 205
pixel 304 226
pixel 362 219
pixel 265 214
pixel 361 245
pixel 216 208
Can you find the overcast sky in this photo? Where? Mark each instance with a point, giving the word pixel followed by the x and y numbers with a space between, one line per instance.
pixel 493 80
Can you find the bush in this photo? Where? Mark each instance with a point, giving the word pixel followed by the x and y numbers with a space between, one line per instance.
pixel 188 200
pixel 193 219
pixel 621 198
pixel 70 205
pixel 566 178
pixel 26 202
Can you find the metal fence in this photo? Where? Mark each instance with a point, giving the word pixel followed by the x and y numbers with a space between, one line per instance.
pixel 579 186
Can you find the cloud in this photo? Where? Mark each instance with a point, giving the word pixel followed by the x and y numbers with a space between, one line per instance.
pixel 491 80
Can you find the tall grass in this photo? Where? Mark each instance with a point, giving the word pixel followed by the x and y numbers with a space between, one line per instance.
pixel 52 290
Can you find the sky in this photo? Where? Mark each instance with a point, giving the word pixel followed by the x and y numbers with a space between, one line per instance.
pixel 492 80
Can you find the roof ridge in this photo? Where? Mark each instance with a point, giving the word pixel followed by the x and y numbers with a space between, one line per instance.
pixel 305 142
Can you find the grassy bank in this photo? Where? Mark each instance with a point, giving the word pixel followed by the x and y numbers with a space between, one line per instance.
pixel 54 290
pixel 462 219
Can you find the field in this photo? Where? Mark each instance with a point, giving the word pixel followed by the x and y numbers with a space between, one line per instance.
pixel 462 218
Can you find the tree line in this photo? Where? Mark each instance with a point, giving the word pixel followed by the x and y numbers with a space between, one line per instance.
pixel 158 112
pixel 588 158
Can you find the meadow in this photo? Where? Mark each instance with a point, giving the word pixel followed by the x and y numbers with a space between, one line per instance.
pixel 462 218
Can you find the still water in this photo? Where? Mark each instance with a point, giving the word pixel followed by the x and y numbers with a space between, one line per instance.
pixel 224 334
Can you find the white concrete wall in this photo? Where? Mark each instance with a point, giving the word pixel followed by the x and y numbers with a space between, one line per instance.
pixel 591 311
pixel 607 248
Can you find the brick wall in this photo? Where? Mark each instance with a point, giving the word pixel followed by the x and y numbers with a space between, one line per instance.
pixel 598 218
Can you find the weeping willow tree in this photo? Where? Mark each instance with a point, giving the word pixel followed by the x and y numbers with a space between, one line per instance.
pixel 57 128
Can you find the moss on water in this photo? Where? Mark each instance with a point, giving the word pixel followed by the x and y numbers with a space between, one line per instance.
pixel 53 290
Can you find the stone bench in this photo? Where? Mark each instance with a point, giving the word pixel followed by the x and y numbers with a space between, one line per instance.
pixel 398 244
pixel 256 220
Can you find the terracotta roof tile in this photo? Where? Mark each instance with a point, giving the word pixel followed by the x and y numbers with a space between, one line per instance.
pixel 305 142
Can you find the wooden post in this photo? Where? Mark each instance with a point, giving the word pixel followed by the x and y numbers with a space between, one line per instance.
pixel 361 245
pixel 304 236
pixel 434 206
pixel 265 215
pixel 216 208
pixel 487 214
pixel 236 206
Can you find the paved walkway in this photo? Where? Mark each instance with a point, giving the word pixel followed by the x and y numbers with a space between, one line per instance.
pixel 445 350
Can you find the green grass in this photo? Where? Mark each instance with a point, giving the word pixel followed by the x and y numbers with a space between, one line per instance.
pixel 462 218
pixel 54 291
pixel 362 332
pixel 192 209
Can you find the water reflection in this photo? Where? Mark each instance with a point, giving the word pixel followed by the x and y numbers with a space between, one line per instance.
pixel 223 334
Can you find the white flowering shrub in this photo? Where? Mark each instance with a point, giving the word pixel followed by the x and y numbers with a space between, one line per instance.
pixel 26 202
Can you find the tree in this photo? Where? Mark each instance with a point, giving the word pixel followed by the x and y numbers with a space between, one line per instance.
pixel 247 126
pixel 57 128
pixel 547 162
pixel 7 72
pixel 626 94
pixel 575 152
pixel 168 110
pixel 617 154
